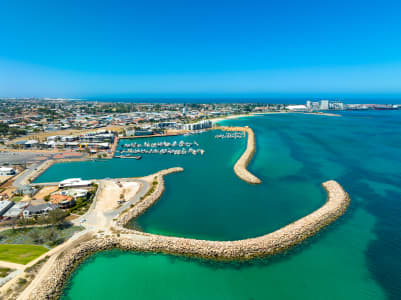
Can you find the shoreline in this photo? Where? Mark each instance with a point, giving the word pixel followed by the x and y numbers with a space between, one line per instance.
pixel 231 117
pixel 52 281
pixel 255 114
pixel 240 167
pixel 46 165
pixel 322 114
pixel 241 250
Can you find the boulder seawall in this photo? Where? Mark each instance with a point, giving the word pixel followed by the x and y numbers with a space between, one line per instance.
pixel 240 167
pixel 270 244
pixel 144 204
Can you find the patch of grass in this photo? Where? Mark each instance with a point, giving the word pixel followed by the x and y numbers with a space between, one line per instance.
pixel 21 254
pixel 48 236
pixel 4 272
pixel 16 199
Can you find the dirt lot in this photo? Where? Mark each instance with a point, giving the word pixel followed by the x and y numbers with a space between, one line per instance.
pixel 9 191
pixel 4 178
pixel 46 190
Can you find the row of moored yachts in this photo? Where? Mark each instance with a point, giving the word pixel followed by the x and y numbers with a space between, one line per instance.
pixel 230 135
pixel 182 151
pixel 160 144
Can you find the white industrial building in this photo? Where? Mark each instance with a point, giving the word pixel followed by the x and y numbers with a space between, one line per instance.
pixel 16 210
pixel 324 105
pixel 199 125
pixel 4 206
pixel 6 171
pixel 299 107
pixel 74 182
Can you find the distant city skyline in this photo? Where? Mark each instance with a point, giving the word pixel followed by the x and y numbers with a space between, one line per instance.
pixel 255 49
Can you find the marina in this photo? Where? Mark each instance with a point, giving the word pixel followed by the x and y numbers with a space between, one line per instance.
pixel 292 160
pixel 181 147
pixel 205 150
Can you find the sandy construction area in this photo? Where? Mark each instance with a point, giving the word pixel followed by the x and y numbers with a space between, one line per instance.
pixel 108 197
pixel 130 189
pixel 45 191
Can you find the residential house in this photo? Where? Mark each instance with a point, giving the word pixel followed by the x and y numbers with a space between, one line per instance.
pixel 5 205
pixel 62 201
pixel 16 210
pixel 76 193
pixel 26 190
pixel 38 210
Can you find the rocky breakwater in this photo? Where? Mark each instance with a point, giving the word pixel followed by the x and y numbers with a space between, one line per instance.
pixel 240 167
pixel 51 286
pixel 270 244
pixel 148 200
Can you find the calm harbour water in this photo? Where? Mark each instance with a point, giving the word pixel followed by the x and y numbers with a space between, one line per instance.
pixel 355 258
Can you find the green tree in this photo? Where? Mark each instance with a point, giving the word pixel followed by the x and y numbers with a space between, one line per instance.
pixel 36 237
pixel 57 216
pixel 51 235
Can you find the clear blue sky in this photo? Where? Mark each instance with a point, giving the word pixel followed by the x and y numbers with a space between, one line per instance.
pixel 285 48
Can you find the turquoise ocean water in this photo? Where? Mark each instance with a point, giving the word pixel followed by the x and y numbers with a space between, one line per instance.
pixel 355 258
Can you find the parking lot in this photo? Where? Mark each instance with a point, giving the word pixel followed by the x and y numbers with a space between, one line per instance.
pixel 13 158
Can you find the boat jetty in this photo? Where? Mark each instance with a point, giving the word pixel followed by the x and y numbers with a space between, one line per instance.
pixel 138 157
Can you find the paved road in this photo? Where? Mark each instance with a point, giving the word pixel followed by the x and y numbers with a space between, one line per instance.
pixel 10 276
pixel 19 181
pixel 11 157
pixel 47 183
pixel 7 264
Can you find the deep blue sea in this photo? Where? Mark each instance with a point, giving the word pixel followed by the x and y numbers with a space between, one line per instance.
pixel 253 98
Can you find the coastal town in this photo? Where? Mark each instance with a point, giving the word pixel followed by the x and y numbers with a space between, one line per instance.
pixel 42 220
pixel 36 133
pixel 200 150
pixel 91 126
